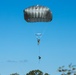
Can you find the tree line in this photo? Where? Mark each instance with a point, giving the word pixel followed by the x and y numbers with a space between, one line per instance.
pixel 70 70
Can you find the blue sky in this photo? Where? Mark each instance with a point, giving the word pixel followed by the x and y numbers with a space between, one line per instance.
pixel 18 43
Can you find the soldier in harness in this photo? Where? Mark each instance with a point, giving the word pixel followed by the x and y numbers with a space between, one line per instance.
pixel 38 41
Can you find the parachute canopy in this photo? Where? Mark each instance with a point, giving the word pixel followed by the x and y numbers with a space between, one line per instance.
pixel 38 34
pixel 37 14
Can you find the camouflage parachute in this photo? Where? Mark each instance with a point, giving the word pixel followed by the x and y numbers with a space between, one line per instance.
pixel 37 14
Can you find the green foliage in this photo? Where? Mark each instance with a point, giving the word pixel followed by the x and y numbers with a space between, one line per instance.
pixel 14 74
pixel 46 74
pixel 36 72
pixel 71 70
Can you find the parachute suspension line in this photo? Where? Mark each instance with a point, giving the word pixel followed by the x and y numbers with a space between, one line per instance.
pixel 38 43
pixel 39 56
pixel 38 36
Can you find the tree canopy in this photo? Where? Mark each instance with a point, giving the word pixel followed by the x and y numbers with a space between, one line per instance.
pixel 71 70
pixel 14 74
pixel 36 72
